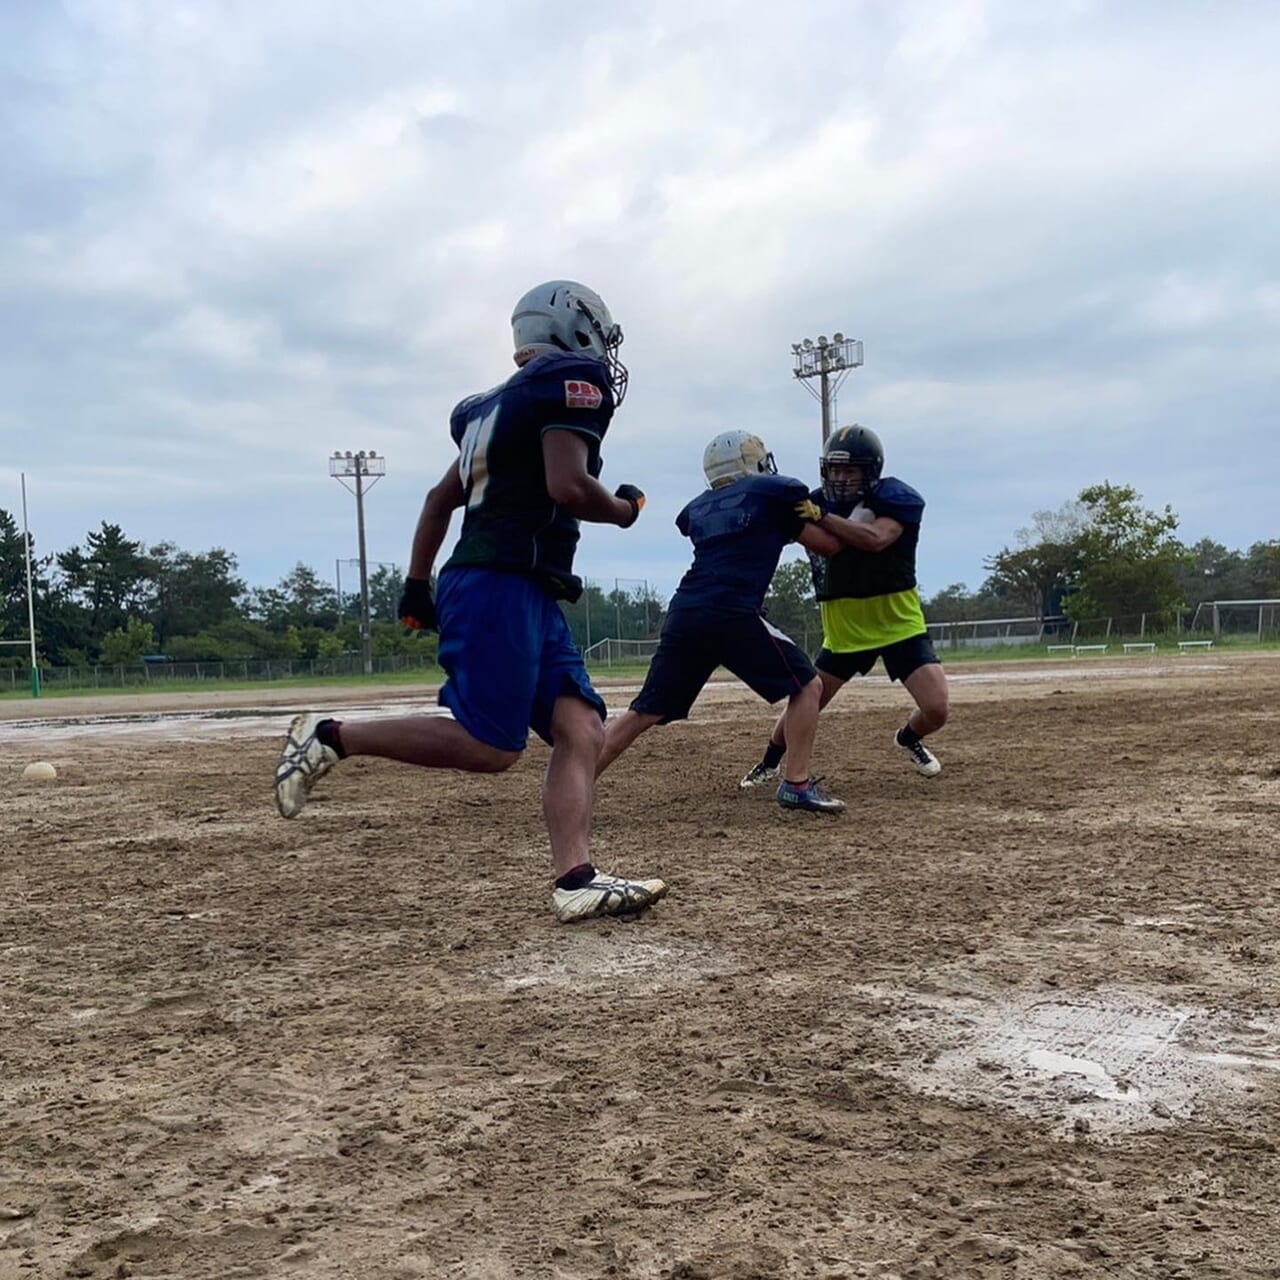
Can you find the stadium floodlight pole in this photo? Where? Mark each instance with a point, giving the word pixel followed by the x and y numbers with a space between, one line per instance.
pixel 361 467
pixel 829 362
pixel 31 608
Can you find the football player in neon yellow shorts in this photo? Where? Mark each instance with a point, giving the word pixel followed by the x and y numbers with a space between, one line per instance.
pixel 868 595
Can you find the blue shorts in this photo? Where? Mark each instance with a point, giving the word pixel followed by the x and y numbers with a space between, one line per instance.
pixel 509 655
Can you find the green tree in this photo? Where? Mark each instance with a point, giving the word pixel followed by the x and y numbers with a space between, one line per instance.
pixel 1032 576
pixel 330 646
pixel 191 593
pixel 1210 571
pixel 310 601
pixel 791 603
pixel 1130 559
pixel 1262 570
pixel 128 643
pixel 590 617
pixel 109 580
pixel 385 585
pixel 951 604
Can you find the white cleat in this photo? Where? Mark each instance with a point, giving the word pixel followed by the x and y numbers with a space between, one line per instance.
pixel 606 896
pixel 923 761
pixel 759 774
pixel 303 762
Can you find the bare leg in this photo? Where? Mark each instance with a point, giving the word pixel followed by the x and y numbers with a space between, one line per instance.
pixel 620 733
pixel 800 726
pixel 432 742
pixel 928 686
pixel 830 687
pixel 568 788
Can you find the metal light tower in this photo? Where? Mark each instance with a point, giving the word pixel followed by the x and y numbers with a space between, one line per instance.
pixel 830 363
pixel 361 467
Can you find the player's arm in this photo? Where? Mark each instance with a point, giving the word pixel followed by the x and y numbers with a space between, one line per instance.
pixel 875 535
pixel 443 499
pixel 417 609
pixel 571 486
pixel 813 538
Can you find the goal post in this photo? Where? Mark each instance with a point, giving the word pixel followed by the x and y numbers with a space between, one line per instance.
pixel 614 651
pixel 1238 617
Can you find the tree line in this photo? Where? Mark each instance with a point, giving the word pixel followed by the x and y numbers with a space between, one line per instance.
pixel 114 600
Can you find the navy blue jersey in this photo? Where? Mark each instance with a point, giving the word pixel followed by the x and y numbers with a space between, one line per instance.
pixel 857 574
pixel 738 533
pixel 510 521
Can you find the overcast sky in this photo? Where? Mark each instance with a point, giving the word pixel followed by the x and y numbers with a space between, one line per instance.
pixel 236 236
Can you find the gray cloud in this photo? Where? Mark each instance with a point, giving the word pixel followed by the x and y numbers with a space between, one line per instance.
pixel 238 236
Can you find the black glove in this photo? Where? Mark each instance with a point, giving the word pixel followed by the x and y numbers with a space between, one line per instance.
pixel 629 493
pixel 416 609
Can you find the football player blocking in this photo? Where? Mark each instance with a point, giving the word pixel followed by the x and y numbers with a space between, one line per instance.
pixel 868 596
pixel 526 476
pixel 739 526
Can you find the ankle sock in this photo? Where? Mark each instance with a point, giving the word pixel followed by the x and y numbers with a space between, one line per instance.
pixel 773 754
pixel 578 878
pixel 329 734
pixel 907 736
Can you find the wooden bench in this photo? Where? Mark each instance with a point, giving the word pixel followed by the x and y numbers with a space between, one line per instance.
pixel 1137 646
pixel 1184 645
pixel 1091 648
pixel 1061 648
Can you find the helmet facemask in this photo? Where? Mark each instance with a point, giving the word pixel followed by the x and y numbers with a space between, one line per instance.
pixel 851 447
pixel 843 490
pixel 608 338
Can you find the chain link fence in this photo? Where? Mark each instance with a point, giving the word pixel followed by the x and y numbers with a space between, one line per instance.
pixel 617 622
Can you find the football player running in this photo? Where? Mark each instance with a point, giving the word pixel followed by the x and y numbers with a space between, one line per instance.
pixel 868 595
pixel 738 527
pixel 526 474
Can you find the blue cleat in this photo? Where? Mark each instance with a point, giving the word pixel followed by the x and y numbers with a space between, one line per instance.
pixel 812 797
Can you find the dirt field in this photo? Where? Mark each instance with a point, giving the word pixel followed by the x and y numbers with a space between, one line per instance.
pixel 1023 1020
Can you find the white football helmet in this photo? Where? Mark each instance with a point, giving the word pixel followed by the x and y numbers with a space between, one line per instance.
pixel 734 454
pixel 561 315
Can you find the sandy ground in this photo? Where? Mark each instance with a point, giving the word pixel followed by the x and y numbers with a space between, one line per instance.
pixel 1023 1020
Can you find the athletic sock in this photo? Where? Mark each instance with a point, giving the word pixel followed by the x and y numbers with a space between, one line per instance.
pixel 773 754
pixel 907 736
pixel 578 878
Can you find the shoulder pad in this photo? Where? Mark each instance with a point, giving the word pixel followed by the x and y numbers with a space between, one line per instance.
pixel 461 414
pixel 784 487
pixel 897 500
pixel 569 381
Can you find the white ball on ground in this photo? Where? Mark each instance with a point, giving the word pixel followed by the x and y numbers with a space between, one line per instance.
pixel 40 771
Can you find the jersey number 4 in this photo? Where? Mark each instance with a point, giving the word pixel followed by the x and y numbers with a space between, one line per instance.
pixel 473 458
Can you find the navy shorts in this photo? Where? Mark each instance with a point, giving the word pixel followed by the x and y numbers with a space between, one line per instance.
pixel 764 659
pixel 509 655
pixel 900 660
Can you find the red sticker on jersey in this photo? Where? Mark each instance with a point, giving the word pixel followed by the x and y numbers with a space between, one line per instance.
pixel 582 395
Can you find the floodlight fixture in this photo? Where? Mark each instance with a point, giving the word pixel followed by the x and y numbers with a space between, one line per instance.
pixel 829 361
